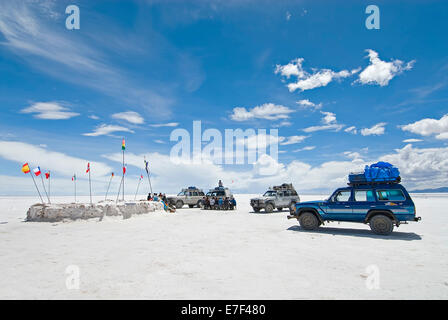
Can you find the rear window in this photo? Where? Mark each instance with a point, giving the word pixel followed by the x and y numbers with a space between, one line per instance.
pixel 364 195
pixel 392 195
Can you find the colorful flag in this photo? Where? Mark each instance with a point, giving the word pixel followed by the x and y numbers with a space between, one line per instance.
pixel 74 177
pixel 47 175
pixel 25 168
pixel 123 145
pixel 37 171
pixel 124 170
pixel 141 176
pixel 146 167
pixel 88 167
pixel 112 174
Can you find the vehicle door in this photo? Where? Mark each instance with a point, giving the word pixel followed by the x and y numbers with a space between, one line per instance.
pixel 286 198
pixel 363 200
pixel 338 207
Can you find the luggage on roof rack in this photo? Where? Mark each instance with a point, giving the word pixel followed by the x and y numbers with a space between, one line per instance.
pixel 380 172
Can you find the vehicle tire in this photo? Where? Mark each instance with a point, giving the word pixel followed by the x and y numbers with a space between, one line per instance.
pixel 191 205
pixel 199 204
pixel 381 224
pixel 279 209
pixel 269 208
pixel 256 209
pixel 309 221
pixel 179 204
pixel 292 207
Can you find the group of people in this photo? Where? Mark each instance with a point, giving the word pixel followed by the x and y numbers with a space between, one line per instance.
pixel 162 198
pixel 215 203
pixel 156 197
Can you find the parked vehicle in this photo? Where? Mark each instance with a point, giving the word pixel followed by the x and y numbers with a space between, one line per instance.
pixel 190 196
pixel 284 196
pixel 381 205
pixel 220 193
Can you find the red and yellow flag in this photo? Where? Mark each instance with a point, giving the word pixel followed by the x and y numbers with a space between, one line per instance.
pixel 123 145
pixel 25 168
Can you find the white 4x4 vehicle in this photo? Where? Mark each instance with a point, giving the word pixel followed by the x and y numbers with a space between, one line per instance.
pixel 191 196
pixel 284 196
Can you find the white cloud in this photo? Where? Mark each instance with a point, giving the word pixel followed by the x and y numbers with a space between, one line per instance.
pixel 169 124
pixel 268 111
pixel 292 140
pixel 377 129
pixel 94 117
pixel 49 111
pixel 412 140
pixel 308 148
pixel 57 162
pixel 421 168
pixel 308 81
pixel 381 72
pixel 288 15
pixel 427 127
pixel 308 104
pixel 352 155
pixel 329 123
pixel 159 141
pixel 107 130
pixel 351 130
pixel 129 116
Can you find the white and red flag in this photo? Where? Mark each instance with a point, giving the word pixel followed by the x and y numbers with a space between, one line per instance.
pixel 88 167
pixel 37 171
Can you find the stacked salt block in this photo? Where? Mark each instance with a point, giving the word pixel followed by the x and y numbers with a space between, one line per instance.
pixel 74 211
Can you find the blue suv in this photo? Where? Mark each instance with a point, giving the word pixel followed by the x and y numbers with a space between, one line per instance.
pixel 381 205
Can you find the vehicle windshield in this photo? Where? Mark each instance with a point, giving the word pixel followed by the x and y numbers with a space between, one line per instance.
pixel 270 193
pixel 182 193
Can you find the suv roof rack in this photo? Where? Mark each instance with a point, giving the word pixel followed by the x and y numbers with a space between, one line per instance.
pixel 284 186
pixel 372 183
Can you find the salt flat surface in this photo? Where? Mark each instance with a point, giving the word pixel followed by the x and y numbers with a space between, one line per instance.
pixel 196 254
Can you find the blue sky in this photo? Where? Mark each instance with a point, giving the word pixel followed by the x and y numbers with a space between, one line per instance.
pixel 168 63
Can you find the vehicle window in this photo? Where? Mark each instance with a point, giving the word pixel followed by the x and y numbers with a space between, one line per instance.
pixel 220 193
pixel 364 195
pixel 286 193
pixel 293 193
pixel 269 193
pixel 342 196
pixel 181 193
pixel 201 193
pixel 195 194
pixel 393 195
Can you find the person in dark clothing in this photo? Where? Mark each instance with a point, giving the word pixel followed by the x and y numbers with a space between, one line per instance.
pixel 226 203
pixel 232 204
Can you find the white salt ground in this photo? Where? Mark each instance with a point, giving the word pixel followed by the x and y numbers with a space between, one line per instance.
pixel 195 254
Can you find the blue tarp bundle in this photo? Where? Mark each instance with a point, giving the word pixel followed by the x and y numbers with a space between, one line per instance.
pixel 377 172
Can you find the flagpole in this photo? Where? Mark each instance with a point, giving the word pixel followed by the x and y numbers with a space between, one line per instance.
pixel 123 171
pixel 139 180
pixel 43 185
pixel 107 191
pixel 74 180
pixel 147 173
pixel 49 177
pixel 119 189
pixel 90 188
pixel 36 187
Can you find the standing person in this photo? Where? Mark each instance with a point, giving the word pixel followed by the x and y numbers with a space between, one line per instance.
pixel 220 204
pixel 233 203
pixel 212 203
pixel 164 198
pixel 220 183
pixel 226 203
